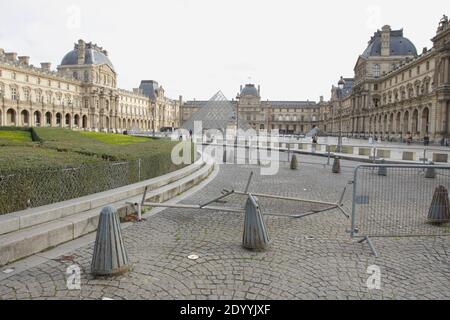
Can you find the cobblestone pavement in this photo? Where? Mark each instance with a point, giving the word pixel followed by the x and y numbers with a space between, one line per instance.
pixel 309 258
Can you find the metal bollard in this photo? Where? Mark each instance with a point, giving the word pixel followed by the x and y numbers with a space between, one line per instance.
pixel 430 173
pixel 382 171
pixel 255 232
pixel 109 257
pixel 439 212
pixel 294 162
pixel 336 165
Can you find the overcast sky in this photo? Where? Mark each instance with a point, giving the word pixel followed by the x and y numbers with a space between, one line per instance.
pixel 294 49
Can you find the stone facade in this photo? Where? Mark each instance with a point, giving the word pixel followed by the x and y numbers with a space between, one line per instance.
pixel 81 94
pixel 288 117
pixel 397 93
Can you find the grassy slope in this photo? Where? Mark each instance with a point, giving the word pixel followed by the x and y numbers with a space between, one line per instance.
pixel 18 151
pixel 108 146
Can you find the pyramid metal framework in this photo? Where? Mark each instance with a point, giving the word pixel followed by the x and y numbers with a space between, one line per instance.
pixel 218 113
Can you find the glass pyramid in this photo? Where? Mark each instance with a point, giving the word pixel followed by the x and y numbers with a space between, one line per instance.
pixel 218 113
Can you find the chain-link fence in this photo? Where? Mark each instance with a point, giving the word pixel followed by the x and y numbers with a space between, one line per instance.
pixel 26 188
pixel 401 200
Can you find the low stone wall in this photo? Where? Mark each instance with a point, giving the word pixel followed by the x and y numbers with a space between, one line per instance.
pixel 31 231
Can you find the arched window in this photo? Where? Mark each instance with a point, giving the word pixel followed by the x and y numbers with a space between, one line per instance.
pixel 58 119
pixel 376 70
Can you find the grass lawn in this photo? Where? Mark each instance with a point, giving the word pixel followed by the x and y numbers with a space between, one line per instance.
pixel 114 147
pixel 16 136
pixel 14 158
pixel 114 139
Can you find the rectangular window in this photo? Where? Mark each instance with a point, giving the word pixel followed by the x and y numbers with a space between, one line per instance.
pixel 418 70
pixel 13 94
pixel 410 73
pixel 428 65
pixel 375 87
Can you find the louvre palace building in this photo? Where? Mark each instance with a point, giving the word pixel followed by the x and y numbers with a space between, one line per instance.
pixel 396 92
pixel 81 94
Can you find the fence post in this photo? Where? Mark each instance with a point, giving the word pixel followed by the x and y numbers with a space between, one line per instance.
pixel 329 154
pixel 289 151
pixel 355 183
pixel 139 169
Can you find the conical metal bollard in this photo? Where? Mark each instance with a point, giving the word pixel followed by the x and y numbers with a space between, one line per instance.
pixel 336 165
pixel 110 257
pixel 294 162
pixel 440 209
pixel 382 171
pixel 430 173
pixel 255 231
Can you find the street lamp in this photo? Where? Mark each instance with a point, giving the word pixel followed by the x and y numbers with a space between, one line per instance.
pixel 341 85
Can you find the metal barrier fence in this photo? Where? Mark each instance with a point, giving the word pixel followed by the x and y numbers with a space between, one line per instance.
pixel 400 201
pixel 27 188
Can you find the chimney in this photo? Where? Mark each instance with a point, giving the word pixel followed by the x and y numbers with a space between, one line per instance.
pixel 24 60
pixel 321 98
pixel 241 88
pixel 259 90
pixel 46 66
pixel 81 51
pixel 105 52
pixel 11 56
pixel 386 41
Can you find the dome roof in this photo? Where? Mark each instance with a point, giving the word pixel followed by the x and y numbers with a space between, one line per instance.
pixel 399 45
pixel 249 90
pixel 93 55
